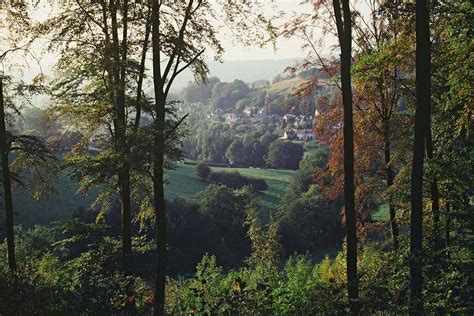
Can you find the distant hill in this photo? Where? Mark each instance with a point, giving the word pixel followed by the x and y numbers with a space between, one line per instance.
pixel 245 70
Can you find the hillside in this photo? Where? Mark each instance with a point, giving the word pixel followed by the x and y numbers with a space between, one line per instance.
pixel 285 86
pixel 245 70
pixel 181 182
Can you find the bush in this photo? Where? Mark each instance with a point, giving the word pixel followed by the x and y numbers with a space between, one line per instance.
pixel 258 185
pixel 202 170
pixel 54 279
pixel 235 180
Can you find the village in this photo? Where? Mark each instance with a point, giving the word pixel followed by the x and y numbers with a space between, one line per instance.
pixel 295 127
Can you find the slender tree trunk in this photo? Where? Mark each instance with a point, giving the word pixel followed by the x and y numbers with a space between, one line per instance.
pixel 119 53
pixel 160 215
pixel 158 164
pixel 7 187
pixel 344 27
pixel 389 179
pixel 141 73
pixel 423 94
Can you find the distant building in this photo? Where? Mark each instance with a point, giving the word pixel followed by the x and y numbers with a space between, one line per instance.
pixel 289 118
pixel 305 134
pixel 299 134
pixel 232 118
pixel 289 135
pixel 248 110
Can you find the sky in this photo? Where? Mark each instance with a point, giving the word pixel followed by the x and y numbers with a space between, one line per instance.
pixel 284 48
pixel 233 50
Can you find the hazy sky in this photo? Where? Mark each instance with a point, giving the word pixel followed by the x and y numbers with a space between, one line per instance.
pixel 233 50
pixel 285 48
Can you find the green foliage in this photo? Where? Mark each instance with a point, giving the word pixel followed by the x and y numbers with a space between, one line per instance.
pixel 226 95
pixel 202 170
pixel 70 268
pixel 310 221
pixel 284 155
pixel 301 287
pixel 234 180
pixel 235 153
pixel 226 210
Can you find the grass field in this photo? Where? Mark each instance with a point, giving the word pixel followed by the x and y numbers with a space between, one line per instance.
pixel 181 182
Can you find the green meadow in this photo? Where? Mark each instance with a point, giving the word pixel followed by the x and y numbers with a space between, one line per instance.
pixel 181 181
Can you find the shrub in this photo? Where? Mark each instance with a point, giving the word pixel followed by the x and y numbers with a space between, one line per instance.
pixel 258 185
pixel 235 180
pixel 202 170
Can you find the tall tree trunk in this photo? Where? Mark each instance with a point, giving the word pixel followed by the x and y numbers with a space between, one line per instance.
pixel 389 179
pixel 120 125
pixel 158 164
pixel 141 72
pixel 7 187
pixel 160 214
pixel 344 28
pixel 423 94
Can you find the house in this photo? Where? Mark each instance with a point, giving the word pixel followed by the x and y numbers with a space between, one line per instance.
pixel 305 134
pixel 289 118
pixel 248 111
pixel 289 135
pixel 232 118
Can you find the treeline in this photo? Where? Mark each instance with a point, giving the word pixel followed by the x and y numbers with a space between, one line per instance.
pixel 220 143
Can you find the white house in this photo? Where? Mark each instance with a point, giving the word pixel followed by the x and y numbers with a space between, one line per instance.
pixel 305 134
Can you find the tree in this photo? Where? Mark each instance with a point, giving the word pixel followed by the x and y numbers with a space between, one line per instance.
pixel 423 96
pixel 30 154
pixel 381 100
pixel 202 170
pixel 186 50
pixel 309 221
pixel 225 209
pixel 337 22
pixel 451 99
pixel 182 37
pixel 344 30
pixel 236 153
pixel 102 64
pixel 32 158
pixel 7 187
pixel 284 155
